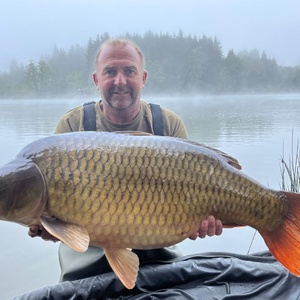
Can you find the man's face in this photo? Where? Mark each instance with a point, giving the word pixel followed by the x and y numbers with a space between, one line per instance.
pixel 119 76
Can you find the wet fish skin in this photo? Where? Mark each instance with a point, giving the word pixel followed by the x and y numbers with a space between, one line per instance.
pixel 123 191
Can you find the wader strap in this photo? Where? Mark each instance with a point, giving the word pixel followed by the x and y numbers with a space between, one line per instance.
pixel 89 116
pixel 158 122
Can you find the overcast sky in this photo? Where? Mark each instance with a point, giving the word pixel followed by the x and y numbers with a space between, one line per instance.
pixel 30 28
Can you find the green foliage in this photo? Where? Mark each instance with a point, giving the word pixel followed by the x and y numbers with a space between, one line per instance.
pixel 176 64
pixel 290 170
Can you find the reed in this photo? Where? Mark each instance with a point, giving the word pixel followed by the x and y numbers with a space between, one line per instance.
pixel 290 169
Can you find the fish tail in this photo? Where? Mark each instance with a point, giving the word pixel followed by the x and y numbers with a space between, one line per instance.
pixel 284 242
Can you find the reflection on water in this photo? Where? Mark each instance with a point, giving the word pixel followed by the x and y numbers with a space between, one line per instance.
pixel 232 119
pixel 25 120
pixel 251 128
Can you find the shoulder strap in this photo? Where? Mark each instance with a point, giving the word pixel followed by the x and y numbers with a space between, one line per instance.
pixel 89 116
pixel 158 122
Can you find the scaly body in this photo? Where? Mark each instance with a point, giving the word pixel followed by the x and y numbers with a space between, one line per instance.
pixel 146 192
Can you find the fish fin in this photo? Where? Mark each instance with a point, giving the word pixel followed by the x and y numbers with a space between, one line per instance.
pixel 125 264
pixel 76 237
pixel 284 241
pixel 229 159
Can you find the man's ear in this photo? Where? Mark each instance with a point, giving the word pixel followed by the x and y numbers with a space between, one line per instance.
pixel 95 78
pixel 145 76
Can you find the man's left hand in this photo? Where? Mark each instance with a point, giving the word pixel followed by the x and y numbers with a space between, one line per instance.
pixel 208 227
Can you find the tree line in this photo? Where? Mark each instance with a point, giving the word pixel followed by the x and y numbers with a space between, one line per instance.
pixel 177 64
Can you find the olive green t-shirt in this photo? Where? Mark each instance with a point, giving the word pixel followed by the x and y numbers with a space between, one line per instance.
pixel 73 121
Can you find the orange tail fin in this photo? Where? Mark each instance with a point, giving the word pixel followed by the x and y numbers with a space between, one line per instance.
pixel 284 242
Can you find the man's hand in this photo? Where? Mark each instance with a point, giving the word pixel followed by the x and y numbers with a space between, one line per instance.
pixel 208 227
pixel 37 230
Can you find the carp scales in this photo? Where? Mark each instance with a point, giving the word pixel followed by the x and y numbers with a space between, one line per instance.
pixel 137 191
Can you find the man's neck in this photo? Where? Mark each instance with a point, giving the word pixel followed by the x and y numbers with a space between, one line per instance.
pixel 120 116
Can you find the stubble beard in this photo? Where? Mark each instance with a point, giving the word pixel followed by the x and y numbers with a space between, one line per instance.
pixel 122 102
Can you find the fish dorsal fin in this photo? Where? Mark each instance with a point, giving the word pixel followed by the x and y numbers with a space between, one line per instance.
pixel 76 237
pixel 229 159
pixel 125 264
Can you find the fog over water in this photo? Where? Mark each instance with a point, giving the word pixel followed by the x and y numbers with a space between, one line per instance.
pixel 29 29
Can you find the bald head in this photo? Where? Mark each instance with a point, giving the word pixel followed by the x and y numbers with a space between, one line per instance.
pixel 122 43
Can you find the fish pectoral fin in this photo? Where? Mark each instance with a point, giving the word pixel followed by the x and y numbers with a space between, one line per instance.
pixel 76 237
pixel 125 264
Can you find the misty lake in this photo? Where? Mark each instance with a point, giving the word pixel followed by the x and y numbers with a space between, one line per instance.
pixel 256 129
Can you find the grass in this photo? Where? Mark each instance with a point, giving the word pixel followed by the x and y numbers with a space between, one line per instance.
pixel 290 169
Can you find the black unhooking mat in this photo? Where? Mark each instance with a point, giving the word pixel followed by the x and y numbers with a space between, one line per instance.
pixel 204 276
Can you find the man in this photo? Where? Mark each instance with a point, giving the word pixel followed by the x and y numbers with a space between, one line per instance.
pixel 120 77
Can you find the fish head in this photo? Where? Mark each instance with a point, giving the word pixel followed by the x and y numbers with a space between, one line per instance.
pixel 22 192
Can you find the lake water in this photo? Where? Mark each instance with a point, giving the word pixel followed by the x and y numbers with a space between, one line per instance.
pixel 256 129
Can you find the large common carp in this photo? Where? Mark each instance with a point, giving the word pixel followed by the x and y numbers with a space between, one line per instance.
pixel 122 191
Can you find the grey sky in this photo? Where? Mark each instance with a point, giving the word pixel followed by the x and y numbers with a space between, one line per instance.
pixel 30 28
